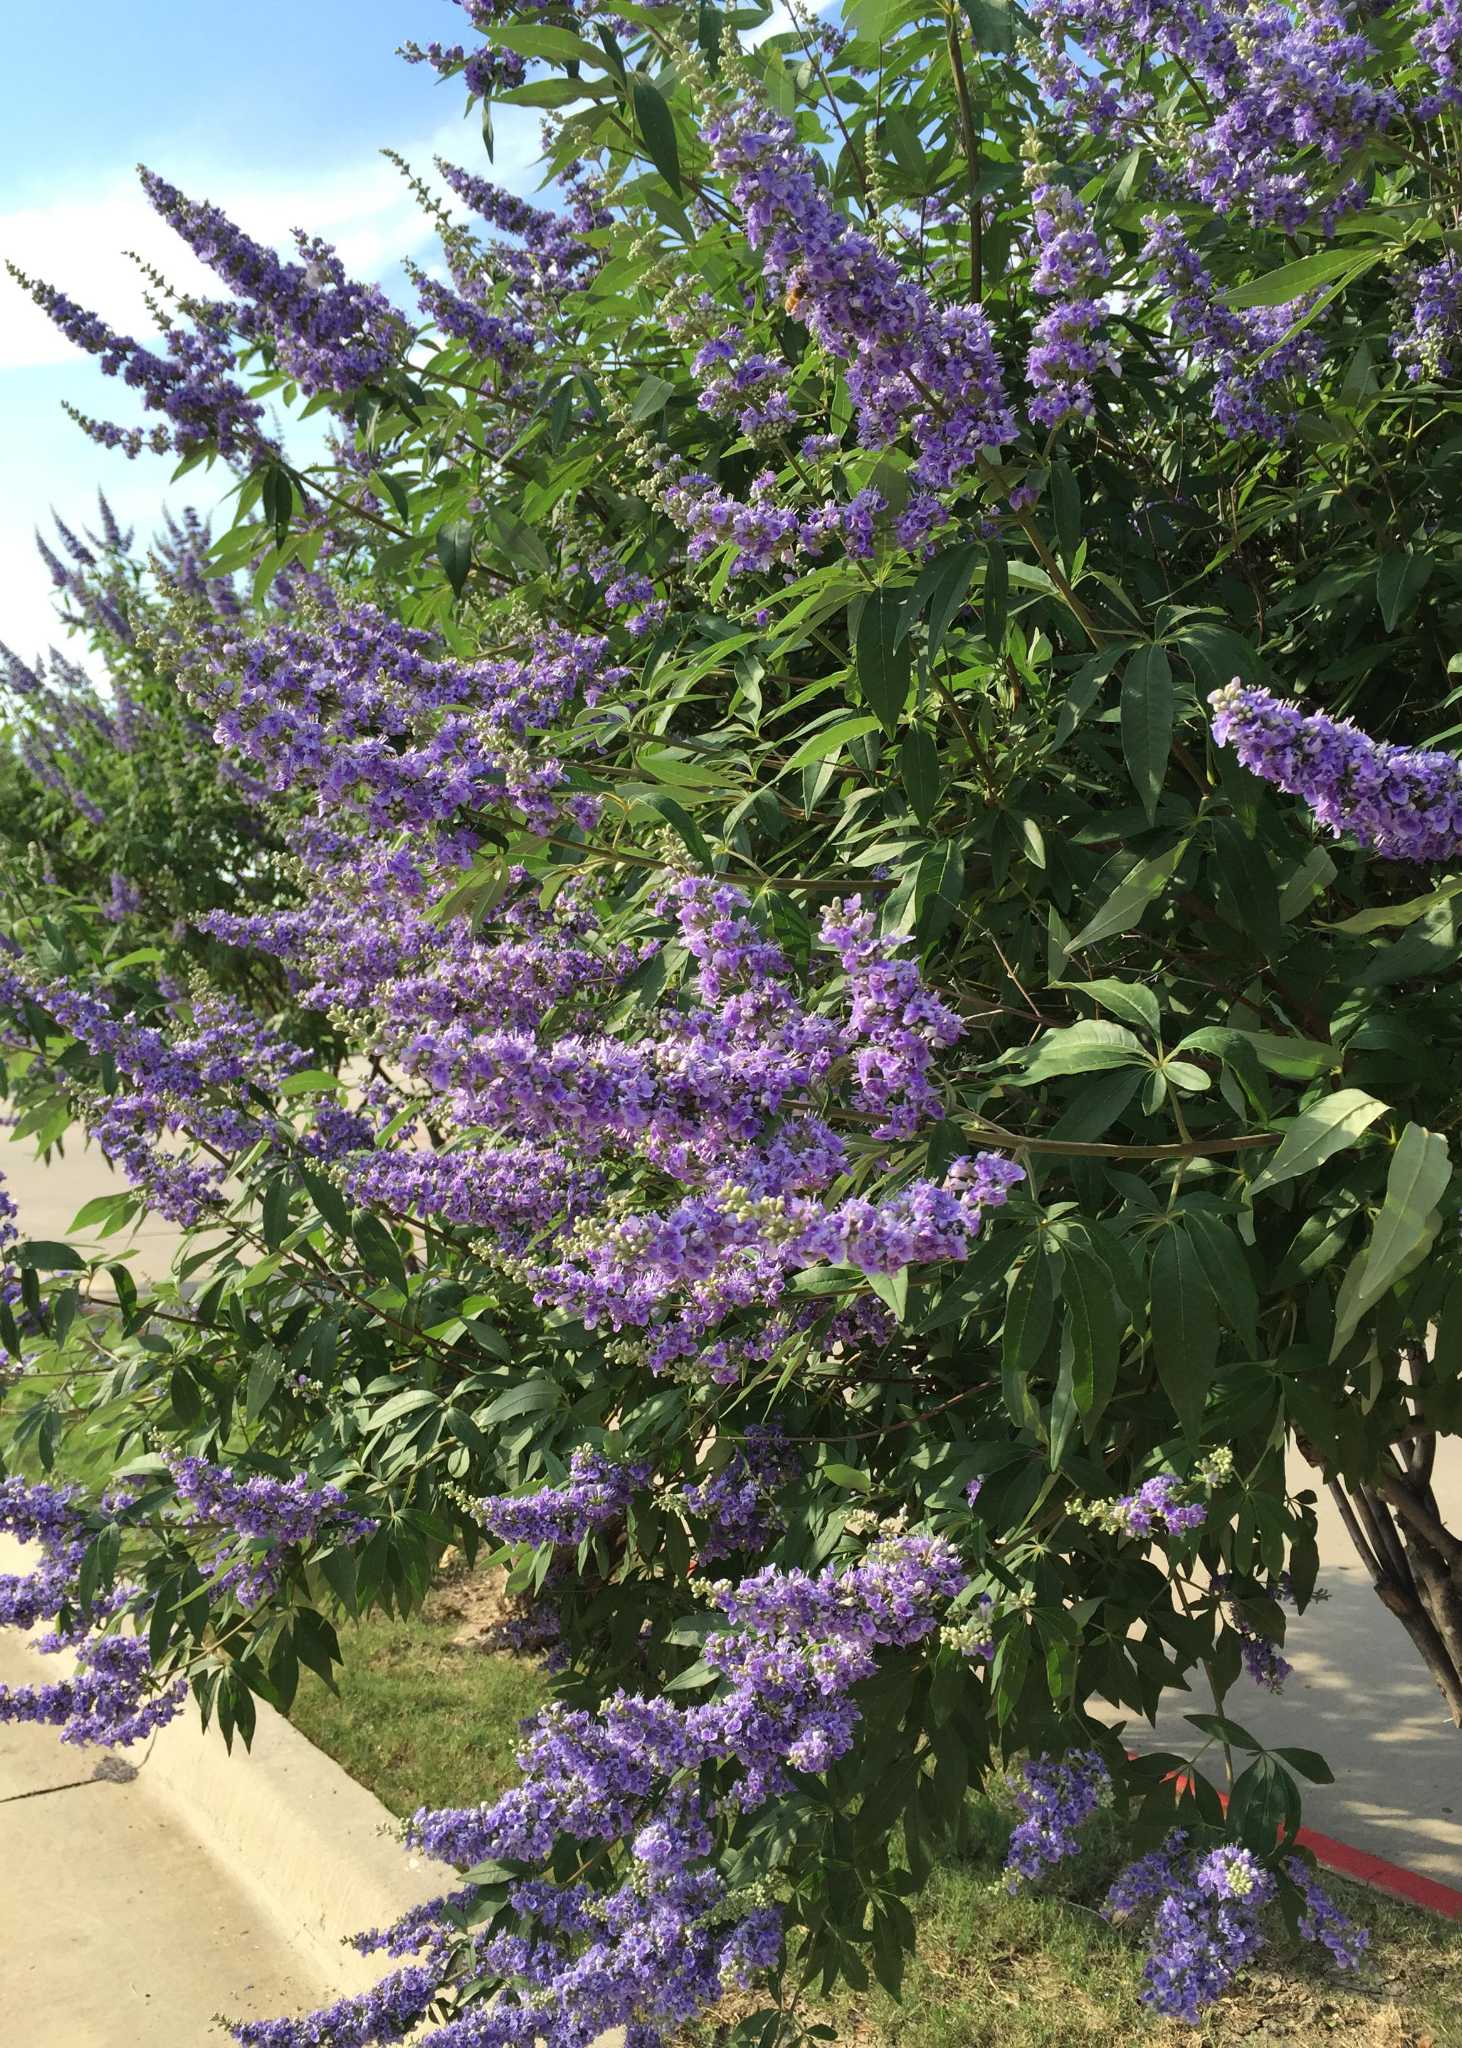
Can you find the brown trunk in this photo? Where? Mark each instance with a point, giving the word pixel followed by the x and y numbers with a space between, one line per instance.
pixel 1413 1561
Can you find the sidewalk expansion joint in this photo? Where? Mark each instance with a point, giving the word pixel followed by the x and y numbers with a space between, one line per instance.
pixel 44 1791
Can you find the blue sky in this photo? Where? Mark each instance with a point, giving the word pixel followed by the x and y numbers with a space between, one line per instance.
pixel 277 112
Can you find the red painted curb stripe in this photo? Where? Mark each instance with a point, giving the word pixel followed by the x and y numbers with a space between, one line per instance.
pixel 1363 1867
pixel 1382 1876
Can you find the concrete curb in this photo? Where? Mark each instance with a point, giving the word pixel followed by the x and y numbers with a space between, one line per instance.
pixel 310 1848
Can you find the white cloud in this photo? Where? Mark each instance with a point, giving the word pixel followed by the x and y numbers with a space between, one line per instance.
pixel 77 240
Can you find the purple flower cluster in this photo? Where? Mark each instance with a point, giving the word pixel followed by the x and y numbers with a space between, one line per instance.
pixel 1402 802
pixel 192 383
pixel 485 70
pixel 9 1232
pixel 762 530
pixel 189 1083
pixel 1250 353
pixel 502 1032
pixel 597 1492
pixel 1284 89
pixel 911 365
pixel 737 1503
pixel 1206 1919
pixel 273 1516
pixel 1323 1921
pixel 747 385
pixel 1157 1506
pixel 328 333
pixel 111 1696
pixel 1055 1796
pixel 390 2011
pixel 796 1645
pixel 1066 349
pixel 1262 1658
pixel 371 718
pixel 550 256
pixel 1431 304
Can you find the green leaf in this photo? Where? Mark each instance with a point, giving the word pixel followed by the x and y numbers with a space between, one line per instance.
pixel 657 129
pixel 1147 722
pixel 380 1254
pixel 1094 1108
pixel 919 772
pixel 942 589
pixel 1397 913
pixel 883 662
pixel 1401 576
pixel 264 1373
pixel 313 1081
pixel 650 398
pixel 1129 1000
pixel 1419 1175
pixel 997 594
pixel 938 889
pixel 1294 280
pixel 47 1257
pixel 1221 1256
pixel 846 1475
pixel 1078 1049
pixel 1317 1134
pixel 1309 1763
pixel 1091 1319
pixel 112 1210
pixel 892 1290
pixel 992 23
pixel 1130 901
pixel 1029 1310
pixel 1224 1730
pixel 831 740
pixel 529 1397
pixel 1184 1327
pixel 553 45
pixel 454 552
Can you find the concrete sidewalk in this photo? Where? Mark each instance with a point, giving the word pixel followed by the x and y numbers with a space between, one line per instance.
pixel 120 1928
pixel 48 1196
pixel 1361 1696
pixel 144 1892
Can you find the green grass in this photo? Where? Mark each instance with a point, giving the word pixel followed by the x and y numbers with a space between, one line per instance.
pixel 424 1719
pixel 420 1719
pixel 1039 1972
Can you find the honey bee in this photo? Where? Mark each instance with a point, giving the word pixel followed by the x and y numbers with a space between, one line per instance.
pixel 795 295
